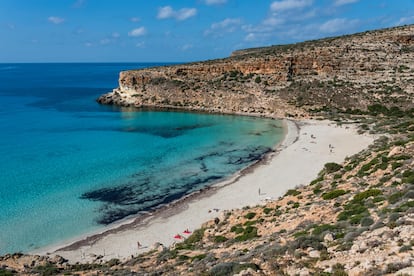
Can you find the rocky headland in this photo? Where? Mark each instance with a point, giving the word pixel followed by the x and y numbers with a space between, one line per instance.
pixel 348 72
pixel 355 218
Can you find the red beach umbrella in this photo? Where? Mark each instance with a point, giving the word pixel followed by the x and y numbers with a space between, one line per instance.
pixel 178 236
pixel 186 231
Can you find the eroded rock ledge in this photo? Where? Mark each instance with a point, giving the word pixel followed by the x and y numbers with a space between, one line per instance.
pixel 349 72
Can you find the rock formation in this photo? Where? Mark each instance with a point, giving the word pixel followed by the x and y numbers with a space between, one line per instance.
pixel 348 72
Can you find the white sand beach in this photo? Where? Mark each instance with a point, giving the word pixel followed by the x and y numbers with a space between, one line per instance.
pixel 297 161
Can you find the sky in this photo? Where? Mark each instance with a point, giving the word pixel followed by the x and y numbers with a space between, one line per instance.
pixel 178 31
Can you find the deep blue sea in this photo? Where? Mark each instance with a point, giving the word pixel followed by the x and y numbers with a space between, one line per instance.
pixel 69 166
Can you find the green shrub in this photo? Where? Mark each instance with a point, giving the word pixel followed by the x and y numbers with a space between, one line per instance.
pixel 339 270
pixel 332 167
pixel 195 237
pixel 393 217
pixel 220 239
pixel 249 233
pixel 402 157
pixel 292 192
pixel 395 197
pixel 352 211
pixel 4 272
pixel 366 194
pixel 47 269
pixel 278 212
pixel 378 199
pixel 405 206
pixel 198 257
pixel 319 179
pixel 362 171
pixel 317 189
pixel 366 221
pixel 113 262
pixel 267 210
pixel 356 219
pixel 333 194
pixel 250 215
pixel 237 229
pixel 224 269
pixel 300 233
pixel 250 222
pixel 319 229
pixel 303 242
pixel 396 165
pixel 408 177
pixel 406 248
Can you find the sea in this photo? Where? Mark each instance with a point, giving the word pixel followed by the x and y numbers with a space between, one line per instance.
pixel 70 166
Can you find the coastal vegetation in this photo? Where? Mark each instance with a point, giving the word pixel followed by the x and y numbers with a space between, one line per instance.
pixel 355 218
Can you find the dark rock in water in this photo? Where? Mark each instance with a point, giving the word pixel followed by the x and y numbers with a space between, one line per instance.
pixel 116 195
pixel 191 127
pixel 251 156
pixel 143 194
pixel 105 99
pixel 203 167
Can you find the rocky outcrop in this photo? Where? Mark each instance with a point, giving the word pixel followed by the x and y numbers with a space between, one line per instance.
pixel 353 72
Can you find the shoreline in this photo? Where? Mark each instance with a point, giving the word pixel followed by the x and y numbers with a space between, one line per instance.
pixel 139 219
pixel 300 150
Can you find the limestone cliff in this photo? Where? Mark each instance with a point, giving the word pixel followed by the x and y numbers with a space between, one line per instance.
pixel 348 72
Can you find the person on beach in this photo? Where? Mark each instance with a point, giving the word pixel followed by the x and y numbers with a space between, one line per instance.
pixel 138 244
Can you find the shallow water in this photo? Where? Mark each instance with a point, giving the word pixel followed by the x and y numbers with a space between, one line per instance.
pixel 69 165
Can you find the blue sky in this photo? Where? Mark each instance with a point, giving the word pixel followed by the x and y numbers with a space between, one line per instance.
pixel 178 31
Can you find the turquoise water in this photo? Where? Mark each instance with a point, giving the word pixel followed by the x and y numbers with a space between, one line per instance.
pixel 70 166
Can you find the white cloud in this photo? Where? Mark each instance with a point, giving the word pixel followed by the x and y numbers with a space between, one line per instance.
pixel 79 3
pixel 186 47
pixel 88 44
pixel 134 19
pixel 165 12
pixel 228 22
pixel 78 31
pixel 182 14
pixel 250 37
pixel 228 25
pixel 344 2
pixel 257 29
pixel 284 5
pixel 105 41
pixel 338 25
pixel 138 32
pixel 55 19
pixel 140 45
pixel 115 35
pixel 405 20
pixel 273 21
pixel 215 2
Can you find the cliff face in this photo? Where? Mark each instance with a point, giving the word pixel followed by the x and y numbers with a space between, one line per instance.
pixel 352 71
